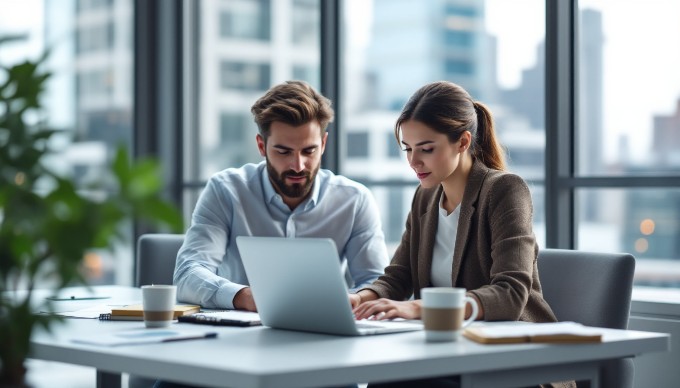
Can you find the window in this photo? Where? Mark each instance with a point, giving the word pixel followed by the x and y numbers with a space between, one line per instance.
pixel 308 73
pixel 251 48
pixel 234 130
pixel 88 97
pixel 85 5
pixel 458 38
pixel 306 23
pixel 357 145
pixel 245 19
pixel 94 84
pixel 245 76
pixel 231 128
pixel 95 37
pixel 627 137
pixel 393 149
pixel 458 67
pixel 391 51
pixel 629 104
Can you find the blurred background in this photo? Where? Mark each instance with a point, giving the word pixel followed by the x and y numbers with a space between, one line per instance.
pixel 113 82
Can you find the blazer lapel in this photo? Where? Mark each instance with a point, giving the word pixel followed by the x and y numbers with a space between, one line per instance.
pixel 467 210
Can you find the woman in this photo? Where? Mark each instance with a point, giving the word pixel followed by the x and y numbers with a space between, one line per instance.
pixel 470 223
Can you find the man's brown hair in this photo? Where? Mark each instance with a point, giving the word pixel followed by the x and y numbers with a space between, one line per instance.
pixel 294 103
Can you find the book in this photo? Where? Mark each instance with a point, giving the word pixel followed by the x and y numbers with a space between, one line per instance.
pixel 223 318
pixel 137 310
pixel 515 332
pixel 142 336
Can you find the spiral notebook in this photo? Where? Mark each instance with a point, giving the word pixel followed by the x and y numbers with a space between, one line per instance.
pixel 223 318
pixel 135 312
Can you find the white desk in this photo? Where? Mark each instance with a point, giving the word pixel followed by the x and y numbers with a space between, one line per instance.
pixel 262 357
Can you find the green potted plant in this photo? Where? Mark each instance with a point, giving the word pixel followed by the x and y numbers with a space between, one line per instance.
pixel 47 224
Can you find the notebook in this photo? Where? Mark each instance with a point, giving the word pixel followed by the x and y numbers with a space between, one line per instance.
pixel 298 284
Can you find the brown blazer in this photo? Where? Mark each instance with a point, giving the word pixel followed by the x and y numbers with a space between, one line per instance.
pixel 495 253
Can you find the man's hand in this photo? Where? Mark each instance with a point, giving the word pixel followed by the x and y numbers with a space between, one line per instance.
pixel 243 300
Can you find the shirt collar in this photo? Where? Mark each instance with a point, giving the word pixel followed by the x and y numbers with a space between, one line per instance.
pixel 271 195
pixel 442 211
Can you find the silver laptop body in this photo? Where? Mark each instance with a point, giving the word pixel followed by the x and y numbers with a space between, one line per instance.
pixel 298 284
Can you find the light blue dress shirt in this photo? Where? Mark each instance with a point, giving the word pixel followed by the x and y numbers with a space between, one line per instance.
pixel 242 202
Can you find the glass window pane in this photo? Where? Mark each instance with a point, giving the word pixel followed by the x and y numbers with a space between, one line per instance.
pixel 357 144
pixel 393 47
pixel 88 97
pixel 629 96
pixel 394 204
pixel 246 19
pixel 246 47
pixel 643 222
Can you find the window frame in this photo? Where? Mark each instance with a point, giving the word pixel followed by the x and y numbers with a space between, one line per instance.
pixel 165 58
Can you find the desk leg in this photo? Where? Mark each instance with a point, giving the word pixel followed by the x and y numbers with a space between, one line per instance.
pixel 523 377
pixel 108 379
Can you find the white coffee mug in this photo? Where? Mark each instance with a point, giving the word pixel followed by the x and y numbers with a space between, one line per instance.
pixel 158 303
pixel 443 313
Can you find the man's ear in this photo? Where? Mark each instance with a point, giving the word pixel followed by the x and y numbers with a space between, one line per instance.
pixel 261 146
pixel 323 142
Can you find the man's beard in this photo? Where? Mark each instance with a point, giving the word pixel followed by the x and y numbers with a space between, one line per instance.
pixel 296 190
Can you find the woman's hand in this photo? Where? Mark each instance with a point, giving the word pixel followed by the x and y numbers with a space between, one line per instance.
pixel 388 309
pixel 354 300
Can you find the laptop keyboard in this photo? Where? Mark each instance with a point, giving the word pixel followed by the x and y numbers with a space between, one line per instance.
pixel 368 326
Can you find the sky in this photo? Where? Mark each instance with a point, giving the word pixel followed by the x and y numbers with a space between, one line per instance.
pixel 517 39
pixel 641 61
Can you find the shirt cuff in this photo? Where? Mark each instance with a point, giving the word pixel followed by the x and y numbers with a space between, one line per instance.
pixel 225 295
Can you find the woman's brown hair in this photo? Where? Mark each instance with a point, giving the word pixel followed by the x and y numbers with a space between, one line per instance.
pixel 448 109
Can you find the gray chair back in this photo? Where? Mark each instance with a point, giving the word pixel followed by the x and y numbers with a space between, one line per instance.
pixel 156 255
pixel 593 289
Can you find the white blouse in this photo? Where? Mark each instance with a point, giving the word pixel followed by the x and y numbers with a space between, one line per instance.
pixel 445 242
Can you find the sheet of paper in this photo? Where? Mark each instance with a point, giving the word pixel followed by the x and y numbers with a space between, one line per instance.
pixel 143 336
pixel 91 312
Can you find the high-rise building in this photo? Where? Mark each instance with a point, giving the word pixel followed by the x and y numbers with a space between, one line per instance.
pixel 244 51
pixel 652 224
pixel 438 40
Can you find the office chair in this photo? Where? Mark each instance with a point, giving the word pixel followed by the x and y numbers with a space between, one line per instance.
pixel 156 255
pixel 593 289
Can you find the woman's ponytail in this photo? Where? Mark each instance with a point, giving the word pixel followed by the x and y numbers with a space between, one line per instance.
pixel 488 150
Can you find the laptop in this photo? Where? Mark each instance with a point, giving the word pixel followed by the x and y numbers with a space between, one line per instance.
pixel 298 284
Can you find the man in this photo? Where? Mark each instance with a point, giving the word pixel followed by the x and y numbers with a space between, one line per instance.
pixel 286 195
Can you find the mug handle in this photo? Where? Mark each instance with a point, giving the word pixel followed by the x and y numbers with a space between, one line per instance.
pixel 475 310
